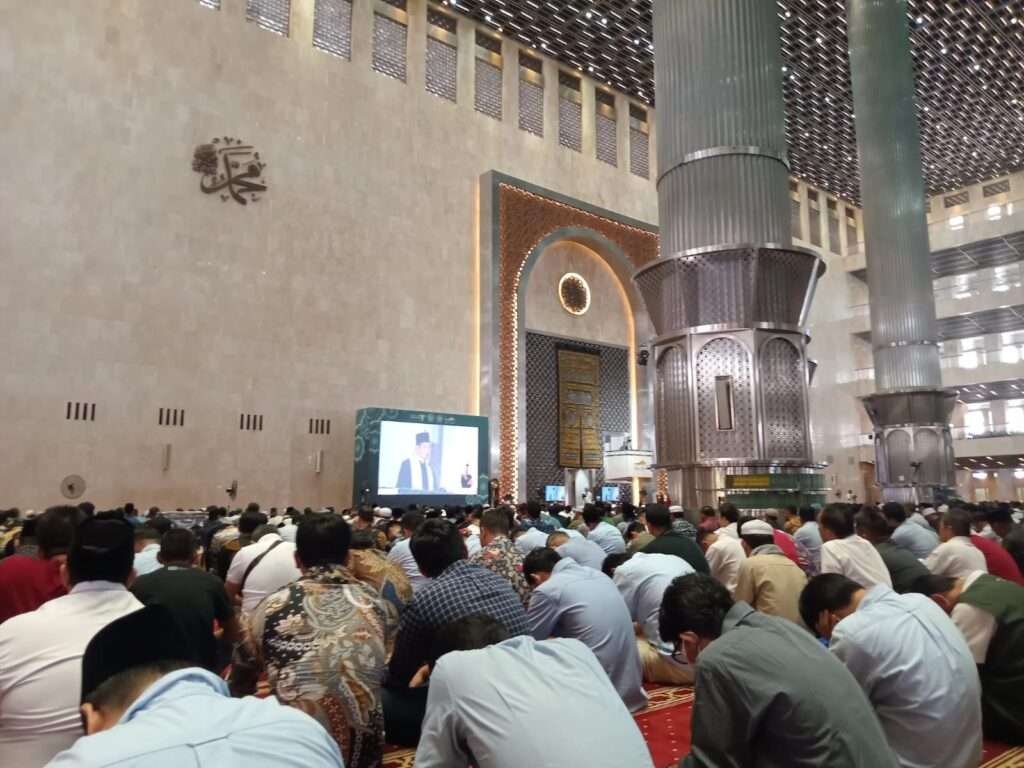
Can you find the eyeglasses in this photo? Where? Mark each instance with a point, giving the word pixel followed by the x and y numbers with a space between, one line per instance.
pixel 679 654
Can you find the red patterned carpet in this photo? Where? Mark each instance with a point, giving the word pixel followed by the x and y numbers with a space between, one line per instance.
pixel 665 725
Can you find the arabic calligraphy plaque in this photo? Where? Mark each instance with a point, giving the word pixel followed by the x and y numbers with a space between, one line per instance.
pixel 579 410
pixel 230 168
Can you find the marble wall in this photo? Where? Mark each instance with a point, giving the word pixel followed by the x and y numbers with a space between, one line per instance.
pixel 352 282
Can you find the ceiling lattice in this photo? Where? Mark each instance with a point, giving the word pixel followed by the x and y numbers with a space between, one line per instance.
pixel 969 58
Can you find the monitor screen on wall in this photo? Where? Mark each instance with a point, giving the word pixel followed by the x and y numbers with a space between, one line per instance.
pixel 554 493
pixel 420 457
pixel 609 493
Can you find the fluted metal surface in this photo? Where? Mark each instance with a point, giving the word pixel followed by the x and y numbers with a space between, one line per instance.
pixel 896 231
pixel 719 85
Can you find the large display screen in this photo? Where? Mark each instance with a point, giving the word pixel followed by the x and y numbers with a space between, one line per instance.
pixel 420 459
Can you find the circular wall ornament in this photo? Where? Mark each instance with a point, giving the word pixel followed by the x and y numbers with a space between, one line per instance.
pixel 574 293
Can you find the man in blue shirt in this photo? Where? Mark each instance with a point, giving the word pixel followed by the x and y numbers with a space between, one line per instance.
pixel 570 600
pixel 476 669
pixel 912 663
pixel 918 539
pixel 808 540
pixel 142 709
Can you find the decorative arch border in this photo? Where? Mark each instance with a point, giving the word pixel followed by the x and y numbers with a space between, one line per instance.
pixel 517 222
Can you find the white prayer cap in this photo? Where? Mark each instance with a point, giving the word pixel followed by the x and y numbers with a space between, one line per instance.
pixel 943 509
pixel 382 512
pixel 757 528
pixel 675 509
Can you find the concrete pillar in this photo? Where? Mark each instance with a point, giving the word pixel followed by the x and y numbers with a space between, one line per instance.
pixel 910 409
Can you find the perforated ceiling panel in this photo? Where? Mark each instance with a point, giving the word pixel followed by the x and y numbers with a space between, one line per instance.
pixel 969 57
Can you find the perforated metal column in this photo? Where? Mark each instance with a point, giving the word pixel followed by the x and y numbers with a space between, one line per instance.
pixel 332 27
pixel 729 296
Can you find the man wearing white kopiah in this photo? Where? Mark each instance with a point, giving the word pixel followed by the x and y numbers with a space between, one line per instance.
pixel 416 474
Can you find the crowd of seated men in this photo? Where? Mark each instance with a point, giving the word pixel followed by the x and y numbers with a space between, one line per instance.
pixel 876 635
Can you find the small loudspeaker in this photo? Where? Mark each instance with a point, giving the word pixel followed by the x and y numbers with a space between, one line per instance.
pixel 318 461
pixel 167 456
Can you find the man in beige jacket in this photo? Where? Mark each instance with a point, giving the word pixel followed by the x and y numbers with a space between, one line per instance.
pixel 768 580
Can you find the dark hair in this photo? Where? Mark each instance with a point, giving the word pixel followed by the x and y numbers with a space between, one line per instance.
pixel 559 532
pixel 365 514
pixel 808 514
pixel 533 509
pixel 827 592
pixel 436 545
pixel 161 524
pixel 999 514
pixel 933 584
pixel 55 528
pixel 102 549
pixel 129 509
pixel 658 516
pixel 707 511
pixel 959 520
pixel 412 520
pixel 178 545
pixel 693 603
pixel 838 519
pixel 214 513
pixel 323 540
pixel 613 561
pixel 145 533
pixel 250 520
pixel 591 514
pixel 469 633
pixel 893 510
pixel 495 521
pixel 252 506
pixel 117 693
pixel 540 560
pixel 729 511
pixel 363 538
pixel 635 527
pixel 88 508
pixel 872 521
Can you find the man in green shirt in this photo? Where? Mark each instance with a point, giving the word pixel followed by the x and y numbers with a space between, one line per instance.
pixel 905 569
pixel 990 613
pixel 670 542
pixel 767 694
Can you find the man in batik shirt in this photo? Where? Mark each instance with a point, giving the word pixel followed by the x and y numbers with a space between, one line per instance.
pixel 372 567
pixel 323 640
pixel 498 552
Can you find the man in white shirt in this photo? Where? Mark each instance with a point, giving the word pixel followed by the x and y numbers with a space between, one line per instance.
pixel 642 579
pixel 731 515
pixel 956 556
pixel 725 555
pixel 844 552
pixel 912 663
pixel 147 546
pixel 605 535
pixel 260 569
pixel 401 553
pixel 41 651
